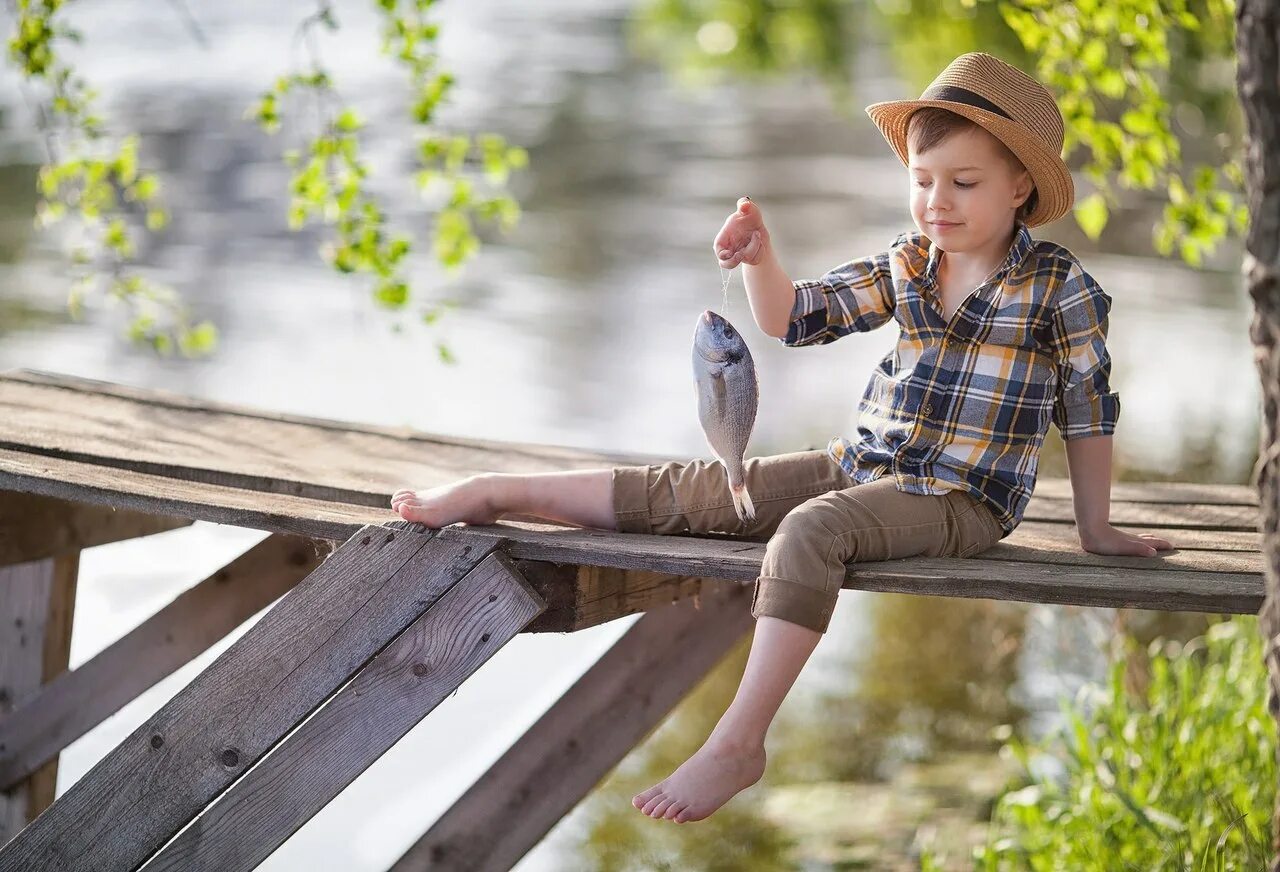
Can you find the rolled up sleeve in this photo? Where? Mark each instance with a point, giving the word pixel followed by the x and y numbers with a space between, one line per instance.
pixel 1084 404
pixel 852 298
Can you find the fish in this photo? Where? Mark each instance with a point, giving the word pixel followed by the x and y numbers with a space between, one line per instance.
pixel 728 394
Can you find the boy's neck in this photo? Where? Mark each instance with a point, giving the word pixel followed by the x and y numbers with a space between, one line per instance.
pixel 974 266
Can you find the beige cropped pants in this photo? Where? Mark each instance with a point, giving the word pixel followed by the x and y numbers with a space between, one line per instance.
pixel 815 517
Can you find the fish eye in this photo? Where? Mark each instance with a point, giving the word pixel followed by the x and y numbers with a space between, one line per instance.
pixel 728 331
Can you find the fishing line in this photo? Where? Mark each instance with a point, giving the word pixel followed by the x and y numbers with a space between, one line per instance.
pixel 726 276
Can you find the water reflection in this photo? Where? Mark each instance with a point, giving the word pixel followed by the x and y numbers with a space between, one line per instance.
pixel 578 324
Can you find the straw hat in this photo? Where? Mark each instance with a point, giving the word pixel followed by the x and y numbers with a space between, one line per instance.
pixel 1012 106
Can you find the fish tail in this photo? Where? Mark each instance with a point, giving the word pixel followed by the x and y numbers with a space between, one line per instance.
pixel 742 500
pixel 742 503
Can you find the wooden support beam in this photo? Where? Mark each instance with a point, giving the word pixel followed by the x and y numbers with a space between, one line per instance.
pixel 54 715
pixel 606 713
pixel 33 526
pixel 272 678
pixel 36 610
pixel 406 681
pixel 585 596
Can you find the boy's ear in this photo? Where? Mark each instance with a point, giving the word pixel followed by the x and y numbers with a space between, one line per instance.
pixel 1022 190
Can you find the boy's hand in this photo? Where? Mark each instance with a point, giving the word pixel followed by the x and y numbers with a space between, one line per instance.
pixel 743 238
pixel 1108 540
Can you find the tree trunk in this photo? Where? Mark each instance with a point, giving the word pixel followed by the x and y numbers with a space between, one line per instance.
pixel 1258 79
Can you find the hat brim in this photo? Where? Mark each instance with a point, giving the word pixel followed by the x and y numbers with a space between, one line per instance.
pixel 1054 187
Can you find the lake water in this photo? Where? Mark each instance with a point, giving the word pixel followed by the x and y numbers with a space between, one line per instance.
pixel 574 330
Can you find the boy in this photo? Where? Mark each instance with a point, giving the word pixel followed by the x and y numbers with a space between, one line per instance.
pixel 999 335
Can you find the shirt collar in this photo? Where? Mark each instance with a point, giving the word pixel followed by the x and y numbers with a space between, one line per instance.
pixel 1018 250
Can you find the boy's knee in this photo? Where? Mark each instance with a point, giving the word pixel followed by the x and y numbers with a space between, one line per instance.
pixel 825 518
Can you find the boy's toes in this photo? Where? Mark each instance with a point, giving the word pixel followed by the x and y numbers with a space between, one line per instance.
pixel 642 799
pixel 660 810
pixel 674 809
pixel 653 803
pixel 412 511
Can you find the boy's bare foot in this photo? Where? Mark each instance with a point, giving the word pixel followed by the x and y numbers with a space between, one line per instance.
pixel 711 777
pixel 473 500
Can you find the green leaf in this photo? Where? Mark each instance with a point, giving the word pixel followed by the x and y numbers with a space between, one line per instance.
pixel 1091 215
pixel 392 294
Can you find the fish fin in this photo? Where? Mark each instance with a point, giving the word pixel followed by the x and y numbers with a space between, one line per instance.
pixel 742 502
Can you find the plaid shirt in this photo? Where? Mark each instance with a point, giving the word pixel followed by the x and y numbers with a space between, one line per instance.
pixel 966 405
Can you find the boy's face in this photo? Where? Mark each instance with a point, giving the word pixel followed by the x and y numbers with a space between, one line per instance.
pixel 964 193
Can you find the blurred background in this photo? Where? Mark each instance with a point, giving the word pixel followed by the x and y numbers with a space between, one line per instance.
pixel 574 329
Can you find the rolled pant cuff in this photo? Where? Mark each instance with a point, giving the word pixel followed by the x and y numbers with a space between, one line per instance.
pixel 792 601
pixel 631 499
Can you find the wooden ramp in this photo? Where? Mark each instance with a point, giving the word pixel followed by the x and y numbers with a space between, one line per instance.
pixel 364 642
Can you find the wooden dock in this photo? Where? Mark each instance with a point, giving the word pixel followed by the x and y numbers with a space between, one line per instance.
pixel 379 620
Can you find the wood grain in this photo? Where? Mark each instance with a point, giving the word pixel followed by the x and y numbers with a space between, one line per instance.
pixel 32 527
pixel 280 671
pixel 49 718
pixel 36 613
pixel 580 738
pixel 470 623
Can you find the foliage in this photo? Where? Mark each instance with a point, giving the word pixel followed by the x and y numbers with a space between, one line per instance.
pixel 100 182
pixel 759 39
pixel 1179 774
pixel 1107 61
pixel 326 180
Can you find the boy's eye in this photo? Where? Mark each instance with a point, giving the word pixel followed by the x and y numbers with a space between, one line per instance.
pixel 965 184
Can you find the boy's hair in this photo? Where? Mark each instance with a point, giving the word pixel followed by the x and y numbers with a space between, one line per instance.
pixel 929 126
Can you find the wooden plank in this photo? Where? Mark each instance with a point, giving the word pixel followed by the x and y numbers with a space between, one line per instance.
pixel 36 612
pixel 587 732
pixel 1169 516
pixel 1174 492
pixel 32 527
pixel 158 398
pixel 281 513
pixel 1038 542
pixel 1060 538
pixel 269 680
pixel 1137 579
pixel 585 596
pixel 49 718
pixel 166 434
pixel 169 434
pixel 99 485
pixel 1215 592
pixel 1089 579
pixel 404 682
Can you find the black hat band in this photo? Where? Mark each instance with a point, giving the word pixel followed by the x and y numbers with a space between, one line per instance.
pixel 955 94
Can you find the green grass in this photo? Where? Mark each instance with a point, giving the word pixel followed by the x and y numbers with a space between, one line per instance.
pixel 1177 773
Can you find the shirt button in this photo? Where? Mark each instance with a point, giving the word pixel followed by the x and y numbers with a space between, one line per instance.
pixel 928 409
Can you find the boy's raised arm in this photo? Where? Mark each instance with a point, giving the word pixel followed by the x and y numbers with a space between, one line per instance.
pixel 745 240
